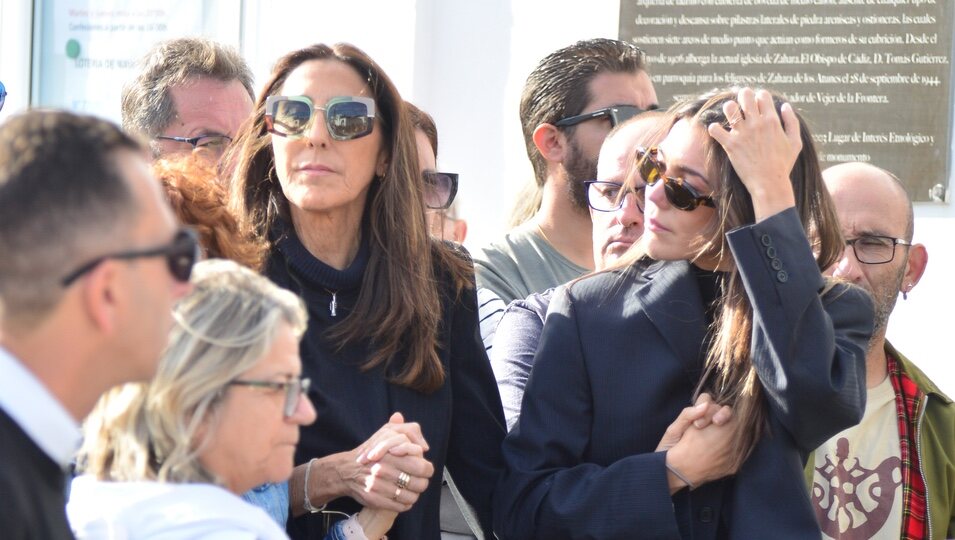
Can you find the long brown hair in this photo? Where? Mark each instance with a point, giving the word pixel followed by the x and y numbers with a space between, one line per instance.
pixel 399 305
pixel 729 375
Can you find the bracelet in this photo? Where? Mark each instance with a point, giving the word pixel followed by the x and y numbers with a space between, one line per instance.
pixel 308 504
pixel 675 472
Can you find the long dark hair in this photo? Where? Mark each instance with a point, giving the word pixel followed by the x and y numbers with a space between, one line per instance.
pixel 729 375
pixel 399 305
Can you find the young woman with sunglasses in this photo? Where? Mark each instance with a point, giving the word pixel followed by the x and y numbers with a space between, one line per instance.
pixel 724 296
pixel 327 172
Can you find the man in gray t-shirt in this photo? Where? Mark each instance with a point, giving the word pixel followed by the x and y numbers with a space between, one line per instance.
pixel 571 100
pixel 617 224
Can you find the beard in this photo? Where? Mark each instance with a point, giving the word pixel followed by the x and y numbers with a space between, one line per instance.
pixel 579 169
pixel 884 298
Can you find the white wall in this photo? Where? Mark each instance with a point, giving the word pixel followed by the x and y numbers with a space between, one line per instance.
pixel 465 62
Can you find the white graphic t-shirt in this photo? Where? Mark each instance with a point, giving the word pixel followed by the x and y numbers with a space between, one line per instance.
pixel 857 483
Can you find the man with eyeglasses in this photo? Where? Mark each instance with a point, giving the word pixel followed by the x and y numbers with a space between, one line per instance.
pixel 617 218
pixel 570 102
pixel 891 475
pixel 191 94
pixel 92 262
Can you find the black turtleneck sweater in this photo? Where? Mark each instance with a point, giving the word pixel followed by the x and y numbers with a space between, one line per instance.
pixel 462 421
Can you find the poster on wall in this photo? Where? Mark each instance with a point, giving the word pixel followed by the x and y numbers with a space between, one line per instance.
pixel 86 50
pixel 872 77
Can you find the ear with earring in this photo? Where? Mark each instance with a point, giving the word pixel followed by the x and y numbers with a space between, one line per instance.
pixel 905 291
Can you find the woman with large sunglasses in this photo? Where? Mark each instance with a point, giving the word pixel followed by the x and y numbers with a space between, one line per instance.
pixel 168 458
pixel 327 172
pixel 724 295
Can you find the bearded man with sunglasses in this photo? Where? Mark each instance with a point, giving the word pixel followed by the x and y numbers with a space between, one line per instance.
pixel 905 443
pixel 92 263
pixel 570 102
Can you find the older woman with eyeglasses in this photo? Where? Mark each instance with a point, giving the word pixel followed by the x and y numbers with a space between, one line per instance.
pixel 327 172
pixel 168 459
pixel 723 295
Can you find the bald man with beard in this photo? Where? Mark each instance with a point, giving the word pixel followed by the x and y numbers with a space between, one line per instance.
pixel 892 475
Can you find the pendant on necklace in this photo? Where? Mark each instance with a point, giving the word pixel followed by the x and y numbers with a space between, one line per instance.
pixel 333 305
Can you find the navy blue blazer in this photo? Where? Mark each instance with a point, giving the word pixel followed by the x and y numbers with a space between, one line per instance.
pixel 620 357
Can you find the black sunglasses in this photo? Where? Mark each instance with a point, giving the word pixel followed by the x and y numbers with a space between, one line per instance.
pixel 678 193
pixel 294 389
pixel 212 143
pixel 618 114
pixel 346 118
pixel 439 189
pixel 181 254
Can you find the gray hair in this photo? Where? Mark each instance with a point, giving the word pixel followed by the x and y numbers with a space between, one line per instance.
pixel 63 201
pixel 225 326
pixel 147 105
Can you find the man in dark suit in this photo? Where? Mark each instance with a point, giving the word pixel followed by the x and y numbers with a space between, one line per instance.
pixel 92 263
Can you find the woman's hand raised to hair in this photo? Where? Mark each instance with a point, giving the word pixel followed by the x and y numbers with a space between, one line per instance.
pixel 762 148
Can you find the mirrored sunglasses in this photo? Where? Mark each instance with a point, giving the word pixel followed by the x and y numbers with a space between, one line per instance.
pixel 439 189
pixel 3 95
pixel 346 118
pixel 678 193
pixel 181 255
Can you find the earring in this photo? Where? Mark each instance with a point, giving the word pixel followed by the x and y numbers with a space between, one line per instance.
pixel 905 293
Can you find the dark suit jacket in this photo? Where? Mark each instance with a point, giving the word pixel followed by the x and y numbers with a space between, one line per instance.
pixel 620 357
pixel 32 502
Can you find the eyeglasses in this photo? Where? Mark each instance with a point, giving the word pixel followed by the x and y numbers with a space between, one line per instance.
pixel 439 189
pixel 875 249
pixel 181 254
pixel 678 193
pixel 211 143
pixel 346 118
pixel 3 95
pixel 618 114
pixel 294 389
pixel 610 196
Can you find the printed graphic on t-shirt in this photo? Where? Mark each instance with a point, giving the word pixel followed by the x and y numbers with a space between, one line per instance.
pixel 852 501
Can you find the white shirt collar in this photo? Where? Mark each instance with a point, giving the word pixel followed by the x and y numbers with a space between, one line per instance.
pixel 31 405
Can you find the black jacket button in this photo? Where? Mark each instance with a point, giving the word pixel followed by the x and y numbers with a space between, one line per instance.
pixel 782 276
pixel 766 240
pixel 771 252
pixel 776 264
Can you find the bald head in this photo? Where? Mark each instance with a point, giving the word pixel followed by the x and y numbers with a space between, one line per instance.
pixel 867 189
pixel 614 232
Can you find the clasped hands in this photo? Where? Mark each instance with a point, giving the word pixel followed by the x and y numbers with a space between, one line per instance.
pixel 699 444
pixel 389 470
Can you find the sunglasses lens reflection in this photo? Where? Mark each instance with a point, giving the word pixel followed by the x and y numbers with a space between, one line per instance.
pixel 291 117
pixel 348 120
pixel 183 257
pixel 439 190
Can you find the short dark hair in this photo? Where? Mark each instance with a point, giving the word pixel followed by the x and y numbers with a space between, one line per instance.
pixel 559 86
pixel 62 201
pixel 147 105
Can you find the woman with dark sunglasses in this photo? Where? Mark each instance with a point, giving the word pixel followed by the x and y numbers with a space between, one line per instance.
pixel 723 296
pixel 326 171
